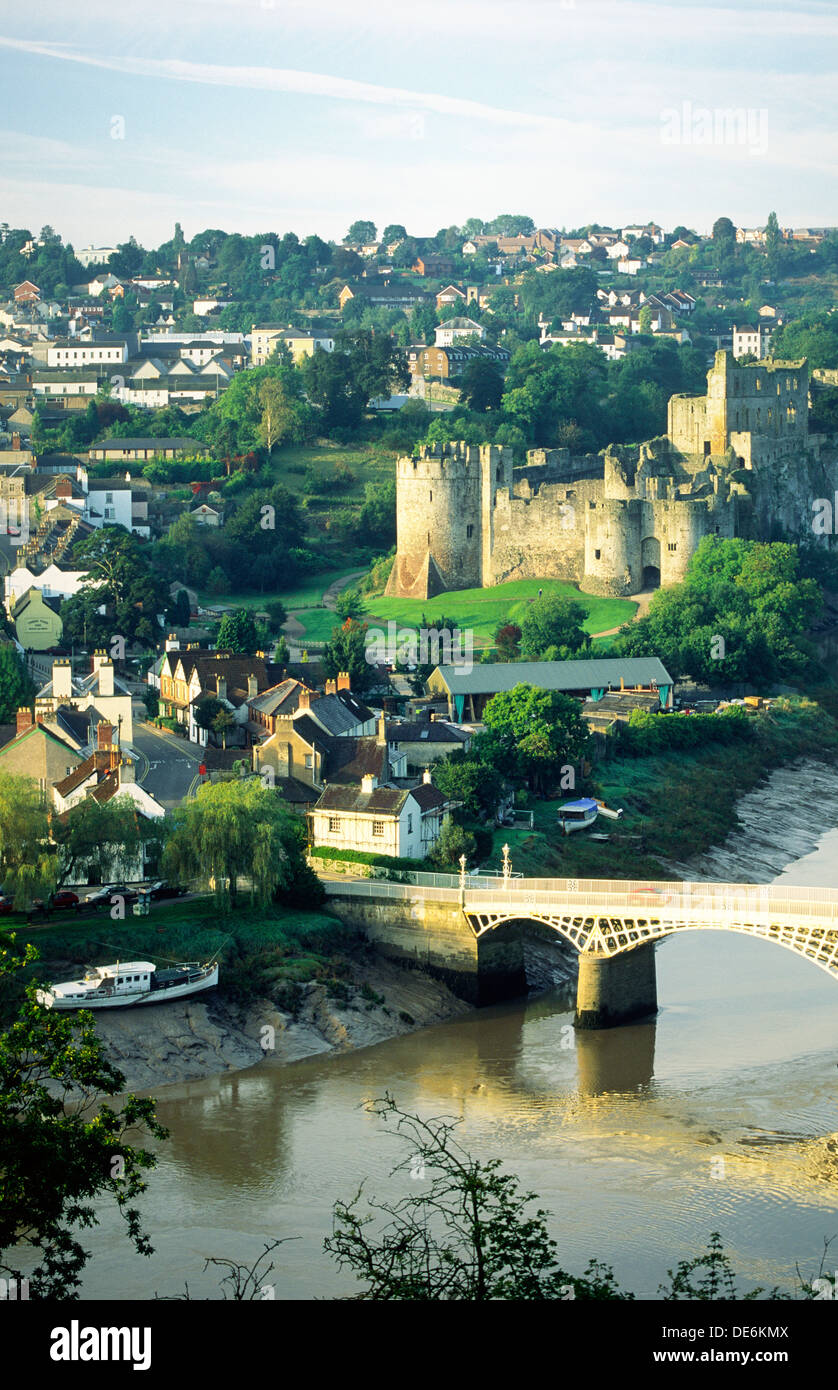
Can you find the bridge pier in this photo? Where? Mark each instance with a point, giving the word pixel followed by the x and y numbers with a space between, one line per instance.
pixel 616 989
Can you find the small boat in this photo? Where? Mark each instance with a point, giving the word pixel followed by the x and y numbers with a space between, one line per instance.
pixel 608 812
pixel 577 815
pixel 130 982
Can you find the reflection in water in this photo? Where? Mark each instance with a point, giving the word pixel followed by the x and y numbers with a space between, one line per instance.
pixel 616 1059
pixel 640 1141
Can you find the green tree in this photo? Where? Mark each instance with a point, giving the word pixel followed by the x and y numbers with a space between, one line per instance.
pixel 350 604
pixel 741 614
pixel 773 243
pixel 237 633
pixel 27 862
pixel 551 629
pixel 454 842
pixel 724 235
pixel 16 689
pixel 481 386
pixel 466 778
pixel 361 233
pixel 120 577
pixel 347 651
pixel 532 734
pixel 285 419
pixel 58 1161
pixel 232 830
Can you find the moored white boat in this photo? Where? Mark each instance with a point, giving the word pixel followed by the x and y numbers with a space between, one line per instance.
pixel 130 982
pixel 577 815
pixel 608 812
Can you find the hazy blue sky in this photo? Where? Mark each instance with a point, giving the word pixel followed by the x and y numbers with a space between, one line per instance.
pixel 257 115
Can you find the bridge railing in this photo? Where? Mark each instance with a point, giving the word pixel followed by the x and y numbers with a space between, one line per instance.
pixel 691 888
pixel 667 899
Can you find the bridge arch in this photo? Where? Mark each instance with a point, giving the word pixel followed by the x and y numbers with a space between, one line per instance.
pixel 612 936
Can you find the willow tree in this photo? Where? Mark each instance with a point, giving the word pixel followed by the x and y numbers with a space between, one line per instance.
pixel 28 864
pixel 232 830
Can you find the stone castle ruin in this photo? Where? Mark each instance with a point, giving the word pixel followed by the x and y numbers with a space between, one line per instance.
pixel 738 461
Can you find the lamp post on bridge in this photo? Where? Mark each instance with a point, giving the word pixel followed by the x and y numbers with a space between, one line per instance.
pixel 507 867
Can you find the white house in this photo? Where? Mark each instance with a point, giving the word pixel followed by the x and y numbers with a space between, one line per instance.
pixel 751 340
pixel 64 353
pixel 95 255
pixel 404 824
pixel 52 582
pixel 452 330
pixel 100 690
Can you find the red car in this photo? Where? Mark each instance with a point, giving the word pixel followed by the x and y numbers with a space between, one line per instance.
pixel 6 905
pixel 66 898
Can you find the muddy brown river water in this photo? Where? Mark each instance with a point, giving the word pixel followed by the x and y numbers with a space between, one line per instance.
pixel 640 1141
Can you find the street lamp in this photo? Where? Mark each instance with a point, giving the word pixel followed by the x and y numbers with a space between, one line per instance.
pixel 463 862
pixel 507 868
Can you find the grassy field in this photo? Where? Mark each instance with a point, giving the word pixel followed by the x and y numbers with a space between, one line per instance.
pixel 296 464
pixel 306 593
pixel 483 610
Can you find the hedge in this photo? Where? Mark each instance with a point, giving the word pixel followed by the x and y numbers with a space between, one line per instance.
pixel 662 733
pixel 377 861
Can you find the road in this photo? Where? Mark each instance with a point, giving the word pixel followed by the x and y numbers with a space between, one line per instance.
pixel 167 765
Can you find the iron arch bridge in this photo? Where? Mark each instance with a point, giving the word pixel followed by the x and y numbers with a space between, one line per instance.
pixel 607 917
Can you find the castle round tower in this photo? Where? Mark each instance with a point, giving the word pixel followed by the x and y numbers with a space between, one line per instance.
pixel 438 521
pixel 612 547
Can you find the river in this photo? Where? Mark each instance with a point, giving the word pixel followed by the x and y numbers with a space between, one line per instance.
pixel 639 1141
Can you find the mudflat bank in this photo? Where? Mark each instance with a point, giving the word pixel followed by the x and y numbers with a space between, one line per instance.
pixel 186 1040
pixel 781 820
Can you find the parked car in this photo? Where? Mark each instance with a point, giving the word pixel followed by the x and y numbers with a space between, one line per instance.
pixel 65 898
pixel 6 905
pixel 163 889
pixel 103 895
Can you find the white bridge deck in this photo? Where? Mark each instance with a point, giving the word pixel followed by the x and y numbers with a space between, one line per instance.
pixel 608 916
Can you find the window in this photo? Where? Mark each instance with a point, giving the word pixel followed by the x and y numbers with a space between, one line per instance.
pixel 673 545
pixel 431 496
pixel 309 760
pixel 597 554
pixel 378 827
pixel 469 532
pixel 334 825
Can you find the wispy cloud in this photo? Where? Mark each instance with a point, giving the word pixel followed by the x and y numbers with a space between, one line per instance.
pixel 287 80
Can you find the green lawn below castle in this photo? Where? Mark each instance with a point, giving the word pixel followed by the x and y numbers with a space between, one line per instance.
pixel 484 610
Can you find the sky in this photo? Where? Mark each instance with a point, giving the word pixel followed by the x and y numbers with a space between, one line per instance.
pixel 303 115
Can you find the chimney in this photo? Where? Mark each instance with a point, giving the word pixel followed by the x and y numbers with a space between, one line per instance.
pixel 105 673
pixel 344 681
pixel 24 719
pixel 62 680
pixel 104 734
pixel 331 687
pixel 381 732
pixel 113 759
pixel 221 687
pixel 172 643
pixel 99 656
pixel 426 776
pixel 127 771
pixel 304 698
pixel 252 687
pixel 368 783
